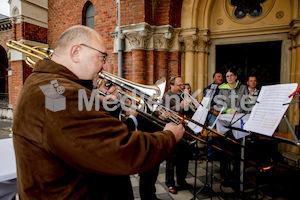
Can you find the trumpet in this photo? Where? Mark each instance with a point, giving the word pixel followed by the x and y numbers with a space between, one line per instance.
pixel 192 101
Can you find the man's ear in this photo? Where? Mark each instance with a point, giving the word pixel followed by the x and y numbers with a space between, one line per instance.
pixel 75 53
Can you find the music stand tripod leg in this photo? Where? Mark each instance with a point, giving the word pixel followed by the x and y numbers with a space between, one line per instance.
pixel 206 185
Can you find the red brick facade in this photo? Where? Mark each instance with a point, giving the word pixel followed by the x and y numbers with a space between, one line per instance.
pixel 64 14
pixel 141 66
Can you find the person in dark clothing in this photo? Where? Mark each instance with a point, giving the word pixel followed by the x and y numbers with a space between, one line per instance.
pixel 181 155
pixel 211 91
pixel 72 151
pixel 147 181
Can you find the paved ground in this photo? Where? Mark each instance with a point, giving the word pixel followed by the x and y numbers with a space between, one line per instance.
pixel 280 183
pixel 5 127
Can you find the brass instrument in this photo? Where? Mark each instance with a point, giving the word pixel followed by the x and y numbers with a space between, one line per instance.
pixel 32 53
pixel 144 95
pixel 192 101
pixel 154 92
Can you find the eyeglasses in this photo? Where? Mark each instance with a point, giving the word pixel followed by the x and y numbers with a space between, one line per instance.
pixel 103 58
pixel 180 85
pixel 230 76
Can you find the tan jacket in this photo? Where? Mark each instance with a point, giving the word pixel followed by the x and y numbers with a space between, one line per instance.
pixel 72 154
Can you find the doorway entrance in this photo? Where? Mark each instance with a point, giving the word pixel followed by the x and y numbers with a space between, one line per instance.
pixel 261 59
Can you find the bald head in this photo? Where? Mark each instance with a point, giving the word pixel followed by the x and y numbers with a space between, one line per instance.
pixel 81 50
pixel 74 35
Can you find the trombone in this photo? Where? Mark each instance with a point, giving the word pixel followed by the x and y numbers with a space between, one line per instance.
pixel 32 53
pixel 145 95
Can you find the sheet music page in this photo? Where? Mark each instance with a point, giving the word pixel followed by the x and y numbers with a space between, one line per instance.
pixel 200 115
pixel 269 110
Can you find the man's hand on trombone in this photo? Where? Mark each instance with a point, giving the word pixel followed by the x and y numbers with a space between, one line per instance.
pixel 111 91
pixel 177 130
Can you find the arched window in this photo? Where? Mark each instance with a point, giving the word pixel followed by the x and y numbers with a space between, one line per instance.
pixel 3 72
pixel 88 15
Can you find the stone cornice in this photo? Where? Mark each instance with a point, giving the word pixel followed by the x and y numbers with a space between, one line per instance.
pixel 251 31
pixel 30 11
pixel 5 25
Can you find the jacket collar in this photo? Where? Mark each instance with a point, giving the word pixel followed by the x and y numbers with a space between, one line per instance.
pixel 49 66
pixel 227 87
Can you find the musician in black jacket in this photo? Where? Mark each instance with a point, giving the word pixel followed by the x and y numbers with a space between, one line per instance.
pixel 181 155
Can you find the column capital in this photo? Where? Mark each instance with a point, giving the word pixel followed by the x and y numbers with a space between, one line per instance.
pixel 139 39
pixel 147 37
pixel 189 42
pixel 203 43
pixel 294 33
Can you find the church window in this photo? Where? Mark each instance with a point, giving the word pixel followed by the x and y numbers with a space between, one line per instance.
pixel 88 15
pixel 244 7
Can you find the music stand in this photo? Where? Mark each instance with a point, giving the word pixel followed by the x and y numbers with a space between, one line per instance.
pixel 242 153
pixel 206 186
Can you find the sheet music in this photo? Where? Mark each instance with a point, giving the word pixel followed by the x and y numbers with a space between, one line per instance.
pixel 200 115
pixel 269 109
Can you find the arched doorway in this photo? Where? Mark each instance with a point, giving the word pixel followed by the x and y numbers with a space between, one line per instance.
pixel 208 25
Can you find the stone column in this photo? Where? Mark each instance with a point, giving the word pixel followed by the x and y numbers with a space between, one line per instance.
pixel 190 42
pixel 293 111
pixel 295 73
pixel 201 68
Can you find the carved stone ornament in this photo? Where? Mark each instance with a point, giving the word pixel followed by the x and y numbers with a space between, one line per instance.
pixel 279 14
pixel 189 42
pixel 15 11
pixel 163 41
pixel 294 35
pixel 203 43
pixel 220 22
pixel 138 39
pixel 146 37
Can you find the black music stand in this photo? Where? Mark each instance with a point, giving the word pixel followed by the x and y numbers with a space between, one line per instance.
pixel 206 188
pixel 241 193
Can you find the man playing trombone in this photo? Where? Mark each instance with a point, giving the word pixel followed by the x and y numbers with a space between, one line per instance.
pixel 75 153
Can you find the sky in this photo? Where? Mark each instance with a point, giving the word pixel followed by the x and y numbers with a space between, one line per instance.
pixel 4 7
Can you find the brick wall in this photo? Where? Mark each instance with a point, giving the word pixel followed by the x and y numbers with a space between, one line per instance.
pixel 64 14
pixel 16 81
pixel 20 70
